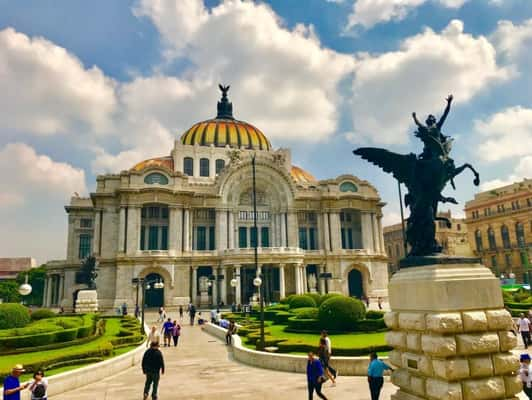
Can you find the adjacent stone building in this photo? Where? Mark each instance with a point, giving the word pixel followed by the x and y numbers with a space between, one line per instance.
pixel 454 240
pixel 499 223
pixel 186 220
pixel 10 267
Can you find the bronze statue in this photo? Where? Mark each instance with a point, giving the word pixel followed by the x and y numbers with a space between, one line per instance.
pixel 425 177
pixel 88 272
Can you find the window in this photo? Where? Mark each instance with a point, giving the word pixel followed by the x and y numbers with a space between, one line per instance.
pixel 84 245
pixel 242 237
pixel 265 236
pixel 85 223
pixel 219 165
pixel 520 234
pixel 156 178
pixel 458 227
pixel 478 240
pixel 164 238
pixel 505 237
pixel 348 187
pixel 508 259
pixel 201 238
pixel 142 237
pixel 491 239
pixel 312 239
pixel 253 237
pixel 188 166
pixel 303 243
pixel 351 229
pixel 397 251
pixel 211 238
pixel 204 167
pixel 153 238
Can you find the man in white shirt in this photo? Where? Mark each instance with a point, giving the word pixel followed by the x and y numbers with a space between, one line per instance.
pixel 524 329
pixel 325 336
pixel 524 374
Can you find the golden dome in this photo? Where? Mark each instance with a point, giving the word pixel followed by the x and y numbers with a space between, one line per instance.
pixel 164 162
pixel 224 130
pixel 302 176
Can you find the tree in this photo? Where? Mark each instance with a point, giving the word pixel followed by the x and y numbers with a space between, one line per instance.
pixel 36 278
pixel 9 291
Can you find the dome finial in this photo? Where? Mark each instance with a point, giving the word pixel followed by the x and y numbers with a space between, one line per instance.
pixel 225 107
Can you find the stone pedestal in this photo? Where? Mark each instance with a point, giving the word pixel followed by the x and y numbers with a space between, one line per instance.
pixel 204 299
pixel 450 333
pixel 87 301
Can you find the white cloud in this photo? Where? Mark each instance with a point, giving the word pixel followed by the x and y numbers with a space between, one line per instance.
pixel 523 170
pixel 505 134
pixel 33 177
pixel 47 90
pixel 417 77
pixel 367 13
pixel 283 80
pixel 391 217
pixel 513 42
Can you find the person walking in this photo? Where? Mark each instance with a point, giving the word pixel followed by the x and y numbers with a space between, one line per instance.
pixel 525 374
pixel 12 386
pixel 38 386
pixel 192 313
pixel 181 313
pixel 231 330
pixel 161 318
pixel 167 330
pixel 379 303
pixel 323 355
pixel 176 332
pixel 153 336
pixel 153 368
pixel 325 336
pixel 524 329
pixel 315 377
pixel 376 370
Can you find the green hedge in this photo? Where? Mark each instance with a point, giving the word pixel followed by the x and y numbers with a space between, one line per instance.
pixel 13 315
pixel 374 314
pixel 299 324
pixel 282 317
pixel 279 307
pixel 306 312
pixel 370 325
pixel 301 300
pixel 340 313
pixel 42 314
pixel 286 300
pixel 78 361
pixel 290 346
pixel 510 304
pixel 316 297
pixel 328 296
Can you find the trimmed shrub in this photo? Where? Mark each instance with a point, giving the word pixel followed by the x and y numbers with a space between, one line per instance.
pixel 306 313
pixel 370 325
pixel 282 317
pixel 279 307
pixel 301 300
pixel 302 325
pixel 42 314
pixel 269 315
pixel 374 314
pixel 80 361
pixel 327 297
pixel 13 315
pixel 341 313
pixel 67 335
pixel 294 346
pixel 40 339
pixel 286 300
pixel 316 297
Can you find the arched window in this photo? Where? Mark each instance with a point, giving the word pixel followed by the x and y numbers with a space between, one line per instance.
pixel 348 187
pixel 219 165
pixel 491 239
pixel 520 234
pixel 204 167
pixel 188 166
pixel 505 237
pixel 478 240
pixel 156 178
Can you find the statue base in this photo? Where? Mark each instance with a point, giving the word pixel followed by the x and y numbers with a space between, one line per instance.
pixel 450 333
pixel 87 302
pixel 205 300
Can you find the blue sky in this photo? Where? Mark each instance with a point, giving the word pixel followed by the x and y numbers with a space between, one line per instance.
pixel 93 87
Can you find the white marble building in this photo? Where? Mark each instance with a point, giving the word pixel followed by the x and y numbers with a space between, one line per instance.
pixel 187 220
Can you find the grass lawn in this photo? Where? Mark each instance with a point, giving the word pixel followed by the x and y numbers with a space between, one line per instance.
pixel 112 328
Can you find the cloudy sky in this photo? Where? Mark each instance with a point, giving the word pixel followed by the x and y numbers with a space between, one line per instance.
pixel 94 87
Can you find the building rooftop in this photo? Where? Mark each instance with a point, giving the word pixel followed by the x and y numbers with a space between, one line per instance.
pixel 11 267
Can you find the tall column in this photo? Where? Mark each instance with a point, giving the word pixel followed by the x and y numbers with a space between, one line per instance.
pixel 321 281
pixel 45 293
pixel 231 230
pixel 194 284
pixel 380 233
pixel 305 282
pixel 335 230
pixel 174 229
pixel 283 230
pixel 367 234
pixel 325 233
pixel 293 230
pixel 238 289
pixel 297 275
pixel 50 288
pixel 186 231
pixel 319 232
pixel 376 243
pixel 133 229
pixel 282 289
pixel 61 288
pixel 221 230
pixel 223 285
pixel 96 234
pixel 121 229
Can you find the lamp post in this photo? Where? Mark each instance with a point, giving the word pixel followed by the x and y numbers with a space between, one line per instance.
pixel 145 285
pixel 258 284
pixel 234 284
pixel 25 289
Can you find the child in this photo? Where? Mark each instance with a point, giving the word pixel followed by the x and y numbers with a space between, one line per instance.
pixel 524 374
pixel 39 386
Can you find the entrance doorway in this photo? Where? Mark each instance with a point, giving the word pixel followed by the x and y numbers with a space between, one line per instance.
pixel 356 288
pixel 154 297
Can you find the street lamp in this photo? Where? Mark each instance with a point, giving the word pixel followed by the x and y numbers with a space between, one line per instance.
pixel 25 289
pixel 234 284
pixel 145 285
pixel 257 282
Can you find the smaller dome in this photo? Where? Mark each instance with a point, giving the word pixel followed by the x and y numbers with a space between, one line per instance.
pixel 164 162
pixel 301 176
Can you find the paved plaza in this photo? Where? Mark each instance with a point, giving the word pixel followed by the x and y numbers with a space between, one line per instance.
pixel 202 368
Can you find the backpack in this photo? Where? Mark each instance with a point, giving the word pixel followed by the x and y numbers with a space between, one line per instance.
pixel 39 391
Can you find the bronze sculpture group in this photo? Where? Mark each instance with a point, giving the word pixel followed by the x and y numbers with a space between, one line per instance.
pixel 425 176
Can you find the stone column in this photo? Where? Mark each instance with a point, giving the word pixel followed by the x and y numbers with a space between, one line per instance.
pixel 367 234
pixel 49 290
pixel 121 229
pixel 297 275
pixel 231 230
pixel 133 229
pixel 96 234
pixel 174 230
pixel 186 231
pixel 293 230
pixel 282 290
pixel 376 243
pixel 335 231
pixel 194 284
pixel 45 292
pixel 325 233
pixel 451 339
pixel 319 232
pixel 61 288
pixel 321 281
pixel 223 285
pixel 221 230
pixel 380 234
pixel 283 230
pixel 238 289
